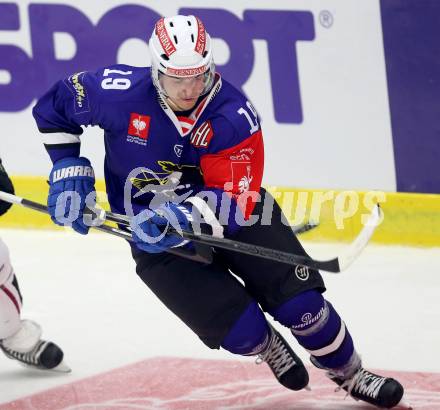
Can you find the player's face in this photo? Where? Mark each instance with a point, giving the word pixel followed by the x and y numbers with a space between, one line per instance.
pixel 183 91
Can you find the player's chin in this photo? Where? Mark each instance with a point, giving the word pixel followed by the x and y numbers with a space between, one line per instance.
pixel 187 104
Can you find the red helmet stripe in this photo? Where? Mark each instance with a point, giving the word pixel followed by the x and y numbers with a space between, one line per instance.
pixel 164 38
pixel 201 37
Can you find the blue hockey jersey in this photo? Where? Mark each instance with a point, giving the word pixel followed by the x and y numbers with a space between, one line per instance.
pixel 216 147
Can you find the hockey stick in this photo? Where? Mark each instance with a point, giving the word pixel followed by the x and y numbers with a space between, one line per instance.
pixel 203 254
pixel 303 228
pixel 334 265
pixel 14 199
pixel 125 220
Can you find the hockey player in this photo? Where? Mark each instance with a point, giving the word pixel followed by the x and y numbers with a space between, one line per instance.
pixel 191 146
pixel 20 339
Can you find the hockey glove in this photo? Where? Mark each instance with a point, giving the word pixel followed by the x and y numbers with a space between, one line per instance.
pixel 5 186
pixel 72 184
pixel 151 228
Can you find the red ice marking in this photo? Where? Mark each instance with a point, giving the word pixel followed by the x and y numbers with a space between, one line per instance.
pixel 176 383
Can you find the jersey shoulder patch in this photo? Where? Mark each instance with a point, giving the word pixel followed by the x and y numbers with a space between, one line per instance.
pixel 76 84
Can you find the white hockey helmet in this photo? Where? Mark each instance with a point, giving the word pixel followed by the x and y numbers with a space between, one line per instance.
pixel 181 47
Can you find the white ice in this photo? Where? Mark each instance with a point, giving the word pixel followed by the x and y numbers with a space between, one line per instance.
pixel 85 293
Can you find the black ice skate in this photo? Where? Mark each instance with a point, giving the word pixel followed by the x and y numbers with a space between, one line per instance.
pixel 284 363
pixel 29 350
pixel 383 392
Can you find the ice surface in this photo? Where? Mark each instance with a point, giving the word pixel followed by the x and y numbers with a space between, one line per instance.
pixel 84 292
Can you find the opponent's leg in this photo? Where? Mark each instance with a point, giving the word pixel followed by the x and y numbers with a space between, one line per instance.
pixel 319 329
pixel 10 297
pixel 21 339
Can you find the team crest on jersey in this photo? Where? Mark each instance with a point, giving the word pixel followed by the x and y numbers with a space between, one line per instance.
pixel 138 128
pixel 167 169
pixel 201 137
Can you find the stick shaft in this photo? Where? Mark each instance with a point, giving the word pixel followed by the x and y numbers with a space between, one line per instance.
pixel 334 265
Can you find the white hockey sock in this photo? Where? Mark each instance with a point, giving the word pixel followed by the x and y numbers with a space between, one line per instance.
pixel 10 298
pixel 24 340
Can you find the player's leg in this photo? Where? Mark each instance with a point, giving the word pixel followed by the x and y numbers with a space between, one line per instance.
pixel 216 306
pixel 318 327
pixel 21 339
pixel 293 296
pixel 252 335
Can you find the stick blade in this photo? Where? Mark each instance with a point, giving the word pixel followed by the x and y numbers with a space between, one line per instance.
pixel 361 241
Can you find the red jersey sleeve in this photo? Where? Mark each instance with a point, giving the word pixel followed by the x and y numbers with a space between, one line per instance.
pixel 237 170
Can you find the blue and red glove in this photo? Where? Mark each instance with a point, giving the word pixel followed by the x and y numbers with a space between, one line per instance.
pixel 71 183
pixel 151 228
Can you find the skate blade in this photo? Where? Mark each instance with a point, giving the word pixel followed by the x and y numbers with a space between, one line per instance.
pixel 61 368
pixel 403 404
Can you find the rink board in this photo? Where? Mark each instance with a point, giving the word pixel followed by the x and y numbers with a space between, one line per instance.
pixel 409 219
pixel 183 383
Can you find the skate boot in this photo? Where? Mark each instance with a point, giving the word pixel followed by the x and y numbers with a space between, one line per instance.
pixel 361 384
pixel 30 350
pixel 383 392
pixel 284 363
